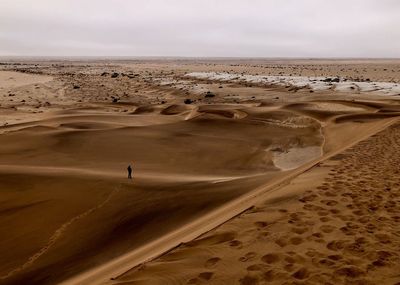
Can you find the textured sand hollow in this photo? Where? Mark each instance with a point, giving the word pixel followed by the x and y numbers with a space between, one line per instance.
pixel 295 157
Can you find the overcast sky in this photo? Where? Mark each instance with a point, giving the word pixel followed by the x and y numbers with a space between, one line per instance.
pixel 242 28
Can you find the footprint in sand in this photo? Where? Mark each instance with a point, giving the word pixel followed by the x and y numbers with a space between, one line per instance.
pixel 337 244
pixel 313 253
pixel 248 280
pixel 325 219
pixel 329 194
pixel 235 243
pixel 262 235
pixel 299 230
pixel 271 275
pixel 358 212
pixel 335 211
pixel 316 237
pixel 370 228
pixel 323 213
pixel 282 242
pixel 346 218
pixel 312 207
pixel 326 262
pixel 381 258
pixel 301 274
pixel 296 240
pixel 349 271
pixel 261 224
pixel 327 228
pixel 348 231
pixel 206 275
pixel 212 262
pixel 323 187
pixel 290 260
pixel 193 281
pixel 383 238
pixel 335 257
pixel 329 203
pixel 257 267
pixel 308 198
pixel 289 267
pixel 248 257
pixel 270 258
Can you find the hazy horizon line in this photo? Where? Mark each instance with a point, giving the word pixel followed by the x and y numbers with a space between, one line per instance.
pixel 191 57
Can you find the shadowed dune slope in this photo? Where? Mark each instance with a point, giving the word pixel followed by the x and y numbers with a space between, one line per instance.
pixel 64 188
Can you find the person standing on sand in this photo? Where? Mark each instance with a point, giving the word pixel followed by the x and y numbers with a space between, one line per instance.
pixel 129 172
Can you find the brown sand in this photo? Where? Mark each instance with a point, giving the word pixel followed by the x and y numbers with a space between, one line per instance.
pixel 69 129
pixel 334 224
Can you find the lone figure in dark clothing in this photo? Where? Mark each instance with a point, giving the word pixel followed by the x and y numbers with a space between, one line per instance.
pixel 129 172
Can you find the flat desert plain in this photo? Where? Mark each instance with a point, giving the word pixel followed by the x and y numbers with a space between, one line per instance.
pixel 245 171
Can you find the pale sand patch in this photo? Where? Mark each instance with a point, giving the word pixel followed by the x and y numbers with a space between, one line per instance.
pixel 318 83
pixel 333 107
pixel 11 79
pixel 295 157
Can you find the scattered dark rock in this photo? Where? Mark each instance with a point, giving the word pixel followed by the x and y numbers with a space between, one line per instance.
pixel 114 75
pixel 209 94
pixel 76 87
pixel 294 88
pixel 330 80
pixel 188 101
pixel 104 74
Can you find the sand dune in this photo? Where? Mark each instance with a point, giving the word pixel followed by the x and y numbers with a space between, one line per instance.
pixel 321 228
pixel 202 151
